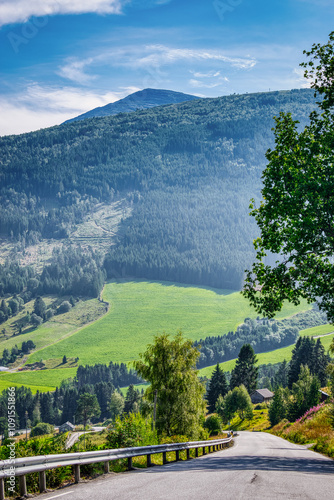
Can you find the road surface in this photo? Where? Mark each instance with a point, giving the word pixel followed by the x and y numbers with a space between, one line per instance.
pixel 259 466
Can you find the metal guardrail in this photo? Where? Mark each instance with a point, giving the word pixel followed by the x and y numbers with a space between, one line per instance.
pixel 42 463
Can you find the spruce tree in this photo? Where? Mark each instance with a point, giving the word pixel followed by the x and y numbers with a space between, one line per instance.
pixel 245 371
pixel 217 387
pixel 278 407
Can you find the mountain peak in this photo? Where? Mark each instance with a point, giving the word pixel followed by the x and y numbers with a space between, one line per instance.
pixel 143 99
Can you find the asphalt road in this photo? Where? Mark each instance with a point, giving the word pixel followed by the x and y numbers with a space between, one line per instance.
pixel 259 466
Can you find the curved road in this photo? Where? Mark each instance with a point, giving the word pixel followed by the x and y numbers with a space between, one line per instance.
pixel 259 466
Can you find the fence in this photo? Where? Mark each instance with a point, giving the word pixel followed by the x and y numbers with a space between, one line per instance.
pixel 41 464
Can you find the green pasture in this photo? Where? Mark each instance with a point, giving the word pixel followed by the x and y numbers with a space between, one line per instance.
pixel 138 311
pixel 57 328
pixel 278 355
pixel 41 380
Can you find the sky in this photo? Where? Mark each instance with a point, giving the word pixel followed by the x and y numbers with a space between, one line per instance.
pixel 61 58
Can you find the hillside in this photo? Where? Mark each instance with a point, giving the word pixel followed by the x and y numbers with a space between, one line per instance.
pixel 183 173
pixel 143 99
pixel 138 311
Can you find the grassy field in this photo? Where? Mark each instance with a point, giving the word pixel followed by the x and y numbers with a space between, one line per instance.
pixel 54 330
pixel 138 311
pixel 278 355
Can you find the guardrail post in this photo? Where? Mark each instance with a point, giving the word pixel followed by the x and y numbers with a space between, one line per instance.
pixel 177 455
pixel 76 473
pixel 130 463
pixel 42 481
pixel 204 452
pixel 188 453
pixel 106 467
pixel 148 460
pixel 23 485
pixel 164 457
pixel 196 452
pixel 2 488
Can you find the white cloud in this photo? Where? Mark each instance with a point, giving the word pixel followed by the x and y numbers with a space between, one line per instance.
pixel 210 74
pixel 38 107
pixel 75 70
pixel 17 11
pixel 158 55
pixel 199 84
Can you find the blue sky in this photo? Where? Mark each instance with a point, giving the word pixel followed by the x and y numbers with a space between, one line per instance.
pixel 60 58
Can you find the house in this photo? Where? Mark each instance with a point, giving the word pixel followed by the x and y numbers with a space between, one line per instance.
pixel 67 426
pixel 323 395
pixel 261 396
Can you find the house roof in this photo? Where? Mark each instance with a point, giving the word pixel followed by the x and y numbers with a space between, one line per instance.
pixel 67 423
pixel 264 393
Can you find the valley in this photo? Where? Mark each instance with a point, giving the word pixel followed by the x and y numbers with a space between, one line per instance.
pixel 138 310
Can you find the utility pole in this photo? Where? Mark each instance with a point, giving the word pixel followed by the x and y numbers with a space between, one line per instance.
pixel 154 409
pixel 26 415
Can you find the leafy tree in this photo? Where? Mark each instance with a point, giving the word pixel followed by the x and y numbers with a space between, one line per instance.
pixel 116 404
pixel 39 307
pixel 245 372
pixel 87 408
pixel 213 424
pixel 278 407
pixel 296 215
pixel 236 400
pixel 217 387
pixel 36 320
pixel 170 367
pixel 41 428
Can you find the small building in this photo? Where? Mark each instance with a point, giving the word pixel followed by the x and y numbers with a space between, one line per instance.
pixel 67 426
pixel 261 396
pixel 323 395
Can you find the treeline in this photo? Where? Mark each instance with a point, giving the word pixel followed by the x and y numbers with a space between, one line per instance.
pixel 11 357
pixel 72 271
pixel 262 334
pixel 191 169
pixel 59 406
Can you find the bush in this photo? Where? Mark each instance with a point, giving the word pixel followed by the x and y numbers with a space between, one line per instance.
pixel 131 430
pixel 41 429
pixel 64 307
pixel 213 424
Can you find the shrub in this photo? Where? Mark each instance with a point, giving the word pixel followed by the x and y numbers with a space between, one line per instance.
pixel 131 430
pixel 213 424
pixel 41 428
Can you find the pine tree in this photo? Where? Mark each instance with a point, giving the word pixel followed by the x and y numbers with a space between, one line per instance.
pixel 278 408
pixel 245 372
pixel 217 387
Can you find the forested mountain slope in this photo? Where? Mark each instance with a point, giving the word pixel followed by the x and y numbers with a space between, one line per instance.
pixel 143 99
pixel 188 171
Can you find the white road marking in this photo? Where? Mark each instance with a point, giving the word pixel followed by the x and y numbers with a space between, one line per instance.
pixel 61 495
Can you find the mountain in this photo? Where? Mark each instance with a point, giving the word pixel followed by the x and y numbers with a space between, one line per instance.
pixel 162 193
pixel 147 98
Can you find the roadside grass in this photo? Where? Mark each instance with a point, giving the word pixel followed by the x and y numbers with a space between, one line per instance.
pixel 317 430
pixel 259 422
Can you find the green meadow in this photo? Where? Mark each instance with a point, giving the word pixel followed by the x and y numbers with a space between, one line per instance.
pixel 138 311
pixel 279 355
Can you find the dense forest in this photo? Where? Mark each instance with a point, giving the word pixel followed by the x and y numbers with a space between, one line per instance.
pixel 187 169
pixel 59 406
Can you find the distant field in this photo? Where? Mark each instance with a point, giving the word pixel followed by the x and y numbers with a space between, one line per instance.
pixel 278 355
pixel 138 311
pixel 42 380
